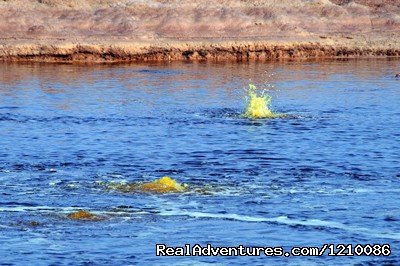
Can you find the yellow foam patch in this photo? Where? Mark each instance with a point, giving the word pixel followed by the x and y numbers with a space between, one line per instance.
pixel 163 185
pixel 82 215
pixel 258 105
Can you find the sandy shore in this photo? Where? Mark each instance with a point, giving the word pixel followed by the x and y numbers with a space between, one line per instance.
pixel 161 30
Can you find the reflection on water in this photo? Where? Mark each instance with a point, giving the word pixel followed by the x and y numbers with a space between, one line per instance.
pixel 327 174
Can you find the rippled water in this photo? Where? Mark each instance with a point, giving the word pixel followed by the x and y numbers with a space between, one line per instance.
pixel 327 173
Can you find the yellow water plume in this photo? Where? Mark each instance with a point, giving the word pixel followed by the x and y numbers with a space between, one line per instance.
pixel 258 105
pixel 163 185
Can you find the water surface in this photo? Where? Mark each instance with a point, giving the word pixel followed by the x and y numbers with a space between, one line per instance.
pixel 328 173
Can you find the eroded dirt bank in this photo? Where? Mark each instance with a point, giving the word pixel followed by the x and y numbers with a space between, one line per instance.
pixel 158 30
pixel 218 51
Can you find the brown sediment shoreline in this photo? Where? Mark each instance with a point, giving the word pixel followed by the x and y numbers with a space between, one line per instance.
pixel 198 30
pixel 188 51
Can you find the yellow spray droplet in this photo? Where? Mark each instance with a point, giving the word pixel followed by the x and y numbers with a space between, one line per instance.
pixel 258 105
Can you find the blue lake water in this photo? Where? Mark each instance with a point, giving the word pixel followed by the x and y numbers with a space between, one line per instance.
pixel 327 173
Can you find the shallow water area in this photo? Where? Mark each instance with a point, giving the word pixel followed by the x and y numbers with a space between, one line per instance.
pixel 327 172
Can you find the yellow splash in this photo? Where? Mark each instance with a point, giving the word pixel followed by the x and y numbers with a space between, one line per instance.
pixel 258 106
pixel 163 185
